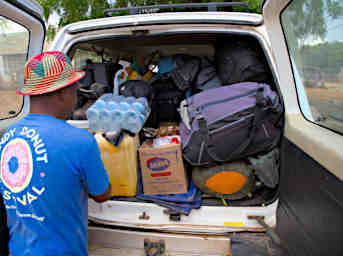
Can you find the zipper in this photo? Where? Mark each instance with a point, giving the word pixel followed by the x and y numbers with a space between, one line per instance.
pixel 202 107
pixel 231 124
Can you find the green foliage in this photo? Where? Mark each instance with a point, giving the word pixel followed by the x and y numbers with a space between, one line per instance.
pixel 74 10
pixel 77 10
pixel 309 18
pixel 50 33
pixel 255 6
pixel 335 8
pixel 97 8
pixel 48 7
pixel 328 57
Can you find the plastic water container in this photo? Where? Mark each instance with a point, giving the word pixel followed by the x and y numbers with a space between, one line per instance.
pixel 118 98
pixel 116 116
pixel 139 107
pixel 142 118
pixel 93 115
pixel 143 101
pixel 99 104
pixel 93 119
pixel 107 97
pixel 130 100
pixel 105 118
pixel 120 163
pixel 132 121
pixel 124 106
pixel 118 80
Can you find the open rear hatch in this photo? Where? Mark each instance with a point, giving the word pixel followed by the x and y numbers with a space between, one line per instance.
pixel 231 215
pixel 99 47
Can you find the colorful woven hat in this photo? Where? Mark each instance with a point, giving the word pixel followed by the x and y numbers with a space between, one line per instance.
pixel 48 72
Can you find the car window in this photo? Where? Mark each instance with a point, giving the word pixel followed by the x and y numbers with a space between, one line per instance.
pixel 81 56
pixel 14 41
pixel 314 34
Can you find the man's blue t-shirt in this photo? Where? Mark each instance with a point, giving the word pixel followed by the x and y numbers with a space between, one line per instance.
pixel 47 170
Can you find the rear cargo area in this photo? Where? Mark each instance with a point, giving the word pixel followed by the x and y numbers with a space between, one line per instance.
pixel 150 58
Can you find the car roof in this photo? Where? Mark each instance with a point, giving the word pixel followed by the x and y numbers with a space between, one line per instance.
pixel 167 18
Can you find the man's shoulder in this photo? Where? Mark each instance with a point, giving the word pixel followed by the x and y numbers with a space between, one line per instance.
pixel 78 135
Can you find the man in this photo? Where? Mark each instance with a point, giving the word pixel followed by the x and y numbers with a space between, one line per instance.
pixel 3 229
pixel 48 167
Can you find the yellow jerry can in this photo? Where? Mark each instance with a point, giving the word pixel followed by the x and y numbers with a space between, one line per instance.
pixel 120 163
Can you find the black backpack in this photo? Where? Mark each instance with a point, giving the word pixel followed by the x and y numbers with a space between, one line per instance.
pixel 166 101
pixel 241 62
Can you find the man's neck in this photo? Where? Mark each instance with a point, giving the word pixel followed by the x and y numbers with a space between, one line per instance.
pixel 42 111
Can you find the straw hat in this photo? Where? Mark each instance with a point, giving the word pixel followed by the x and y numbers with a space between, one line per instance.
pixel 48 72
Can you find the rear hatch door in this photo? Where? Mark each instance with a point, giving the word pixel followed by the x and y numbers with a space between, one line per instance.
pixel 22 32
pixel 306 38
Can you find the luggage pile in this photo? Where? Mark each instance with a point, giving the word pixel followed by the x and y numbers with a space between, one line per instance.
pixel 213 126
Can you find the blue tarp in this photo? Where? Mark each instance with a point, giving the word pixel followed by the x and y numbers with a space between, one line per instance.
pixel 179 203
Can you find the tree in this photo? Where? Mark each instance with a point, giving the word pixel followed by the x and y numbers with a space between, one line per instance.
pixel 309 18
pixel 77 10
pixel 255 6
pixel 327 56
pixel 74 10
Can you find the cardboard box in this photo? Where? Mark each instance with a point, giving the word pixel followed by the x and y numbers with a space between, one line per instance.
pixel 162 169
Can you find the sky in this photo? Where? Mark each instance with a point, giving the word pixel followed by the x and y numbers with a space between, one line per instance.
pixel 335 30
pixel 54 19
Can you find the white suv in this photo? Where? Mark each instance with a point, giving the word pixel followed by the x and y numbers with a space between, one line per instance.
pixel 302 42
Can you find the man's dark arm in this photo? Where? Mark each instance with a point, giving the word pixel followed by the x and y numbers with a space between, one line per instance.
pixel 103 197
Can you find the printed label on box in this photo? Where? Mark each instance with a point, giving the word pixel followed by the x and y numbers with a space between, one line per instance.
pixel 162 170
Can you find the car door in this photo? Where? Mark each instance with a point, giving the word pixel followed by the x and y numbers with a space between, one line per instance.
pixel 22 32
pixel 307 40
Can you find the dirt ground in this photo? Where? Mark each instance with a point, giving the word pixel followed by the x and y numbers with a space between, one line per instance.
pixel 327 105
pixel 333 91
pixel 327 100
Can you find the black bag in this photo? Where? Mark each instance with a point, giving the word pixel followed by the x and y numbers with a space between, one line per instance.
pixel 137 88
pixel 241 62
pixel 187 68
pixel 166 101
pixel 207 77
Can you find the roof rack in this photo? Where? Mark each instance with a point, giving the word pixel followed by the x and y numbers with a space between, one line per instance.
pixel 211 7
